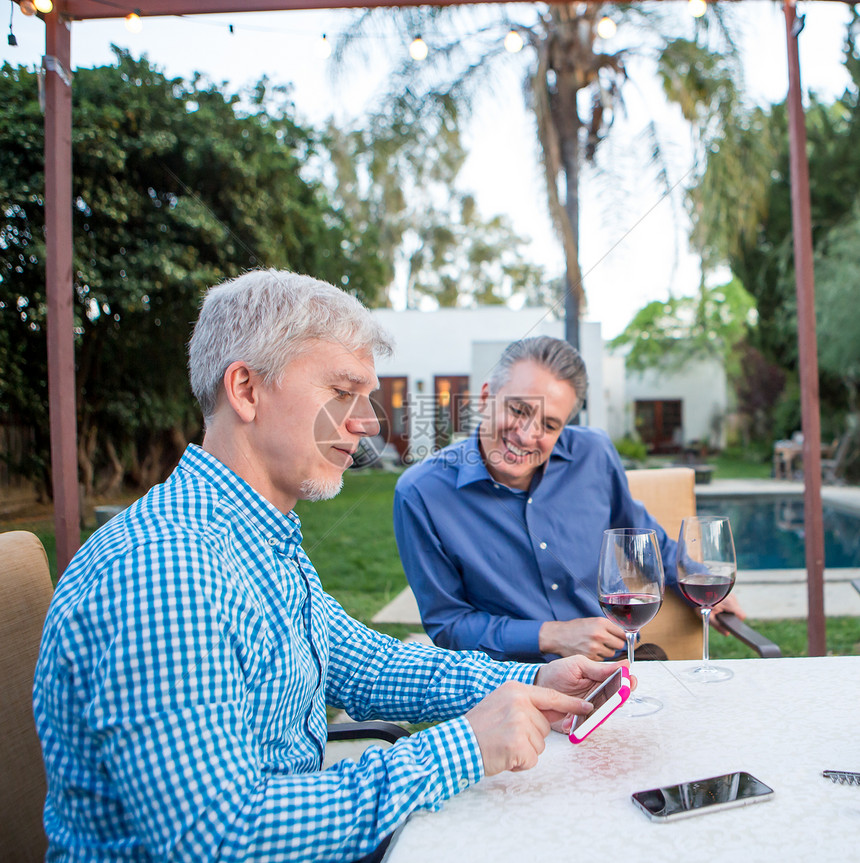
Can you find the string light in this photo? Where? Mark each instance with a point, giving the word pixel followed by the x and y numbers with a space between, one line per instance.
pixel 13 42
pixel 418 50
pixel 697 8
pixel 133 23
pixel 513 42
pixel 324 48
pixel 44 6
pixel 606 27
pixel 27 8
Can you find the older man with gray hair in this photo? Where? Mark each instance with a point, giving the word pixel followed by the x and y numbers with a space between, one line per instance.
pixel 190 650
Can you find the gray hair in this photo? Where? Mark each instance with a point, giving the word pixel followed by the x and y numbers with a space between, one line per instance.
pixel 266 318
pixel 558 357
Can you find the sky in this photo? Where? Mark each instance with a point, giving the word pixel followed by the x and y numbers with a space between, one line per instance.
pixel 633 239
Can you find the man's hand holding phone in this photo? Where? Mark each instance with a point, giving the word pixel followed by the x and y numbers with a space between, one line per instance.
pixel 577 675
pixel 606 698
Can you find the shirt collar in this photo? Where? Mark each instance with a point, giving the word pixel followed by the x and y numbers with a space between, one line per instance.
pixel 283 532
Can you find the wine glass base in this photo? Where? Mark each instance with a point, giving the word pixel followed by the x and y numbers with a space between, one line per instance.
pixel 707 674
pixel 636 706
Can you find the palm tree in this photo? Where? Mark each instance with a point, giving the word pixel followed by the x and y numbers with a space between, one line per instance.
pixel 573 82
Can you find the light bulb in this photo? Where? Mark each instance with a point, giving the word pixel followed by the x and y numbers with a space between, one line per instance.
pixel 133 23
pixel 27 7
pixel 606 27
pixel 697 8
pixel 324 48
pixel 44 6
pixel 418 50
pixel 513 42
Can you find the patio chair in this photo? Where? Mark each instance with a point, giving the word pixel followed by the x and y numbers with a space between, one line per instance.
pixel 25 593
pixel 669 494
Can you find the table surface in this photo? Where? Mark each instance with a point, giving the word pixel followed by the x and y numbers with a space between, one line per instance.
pixel 783 720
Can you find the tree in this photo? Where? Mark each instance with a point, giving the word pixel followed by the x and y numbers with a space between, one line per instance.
pixel 395 181
pixel 177 186
pixel 572 85
pixel 670 333
pixel 759 249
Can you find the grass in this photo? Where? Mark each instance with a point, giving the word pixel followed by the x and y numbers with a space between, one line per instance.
pixel 350 539
pixel 735 464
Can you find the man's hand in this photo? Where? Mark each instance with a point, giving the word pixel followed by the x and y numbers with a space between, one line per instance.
pixel 730 603
pixel 577 676
pixel 512 723
pixel 594 637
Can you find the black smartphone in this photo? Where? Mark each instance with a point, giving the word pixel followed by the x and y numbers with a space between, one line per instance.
pixel 702 795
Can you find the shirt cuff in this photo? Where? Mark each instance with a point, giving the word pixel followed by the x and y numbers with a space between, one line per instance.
pixel 454 748
pixel 522 638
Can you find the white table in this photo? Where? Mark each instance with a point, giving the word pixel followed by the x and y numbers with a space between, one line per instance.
pixel 783 720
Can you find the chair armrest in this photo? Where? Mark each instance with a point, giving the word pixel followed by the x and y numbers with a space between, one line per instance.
pixel 762 646
pixel 386 731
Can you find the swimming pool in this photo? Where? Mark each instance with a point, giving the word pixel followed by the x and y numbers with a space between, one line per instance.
pixel 768 531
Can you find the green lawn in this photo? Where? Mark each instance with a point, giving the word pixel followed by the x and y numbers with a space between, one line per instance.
pixel 350 539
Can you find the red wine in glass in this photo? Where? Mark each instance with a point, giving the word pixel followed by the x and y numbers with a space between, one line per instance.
pixel 708 589
pixel 707 566
pixel 631 611
pixel 630 591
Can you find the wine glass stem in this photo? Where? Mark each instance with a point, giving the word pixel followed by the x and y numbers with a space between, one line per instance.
pixel 631 639
pixel 706 627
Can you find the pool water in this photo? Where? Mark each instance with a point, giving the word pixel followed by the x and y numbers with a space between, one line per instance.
pixel 768 531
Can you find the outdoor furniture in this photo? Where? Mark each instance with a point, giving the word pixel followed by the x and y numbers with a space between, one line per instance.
pixel 669 494
pixel 576 802
pixel 25 593
pixel 787 458
pixel 832 459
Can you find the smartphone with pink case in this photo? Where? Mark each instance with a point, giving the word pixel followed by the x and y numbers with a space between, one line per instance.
pixel 606 697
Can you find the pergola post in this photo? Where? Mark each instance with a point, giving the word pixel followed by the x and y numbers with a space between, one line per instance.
pixel 807 340
pixel 61 334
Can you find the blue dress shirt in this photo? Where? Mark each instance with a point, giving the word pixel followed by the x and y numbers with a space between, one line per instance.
pixel 490 564
pixel 180 693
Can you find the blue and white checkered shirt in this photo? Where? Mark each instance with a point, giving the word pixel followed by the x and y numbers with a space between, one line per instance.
pixel 180 694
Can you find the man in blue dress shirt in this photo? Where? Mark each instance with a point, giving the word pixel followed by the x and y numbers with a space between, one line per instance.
pixel 500 534
pixel 190 650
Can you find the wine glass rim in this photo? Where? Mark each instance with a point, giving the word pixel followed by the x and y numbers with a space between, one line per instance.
pixel 629 531
pixel 706 518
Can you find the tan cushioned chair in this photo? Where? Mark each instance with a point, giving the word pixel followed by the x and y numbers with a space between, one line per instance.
pixel 25 592
pixel 669 494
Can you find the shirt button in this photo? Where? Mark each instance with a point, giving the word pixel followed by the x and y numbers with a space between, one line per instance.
pixel 495 485
pixel 272 541
pixel 543 545
pixel 554 586
pixel 463 783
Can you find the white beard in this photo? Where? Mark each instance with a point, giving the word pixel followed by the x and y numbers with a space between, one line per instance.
pixel 320 489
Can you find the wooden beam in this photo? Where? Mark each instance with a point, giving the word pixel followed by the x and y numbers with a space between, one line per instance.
pixel 60 323
pixel 89 9
pixel 82 10
pixel 807 340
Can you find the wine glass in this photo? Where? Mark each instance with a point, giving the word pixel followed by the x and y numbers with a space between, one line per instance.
pixel 630 590
pixel 706 574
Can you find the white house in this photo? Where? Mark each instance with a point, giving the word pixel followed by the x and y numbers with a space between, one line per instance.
pixel 428 387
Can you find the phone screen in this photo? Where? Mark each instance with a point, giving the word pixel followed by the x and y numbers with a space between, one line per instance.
pixel 689 798
pixel 599 696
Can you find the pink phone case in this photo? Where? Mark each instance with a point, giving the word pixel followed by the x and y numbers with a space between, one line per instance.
pixel 600 714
